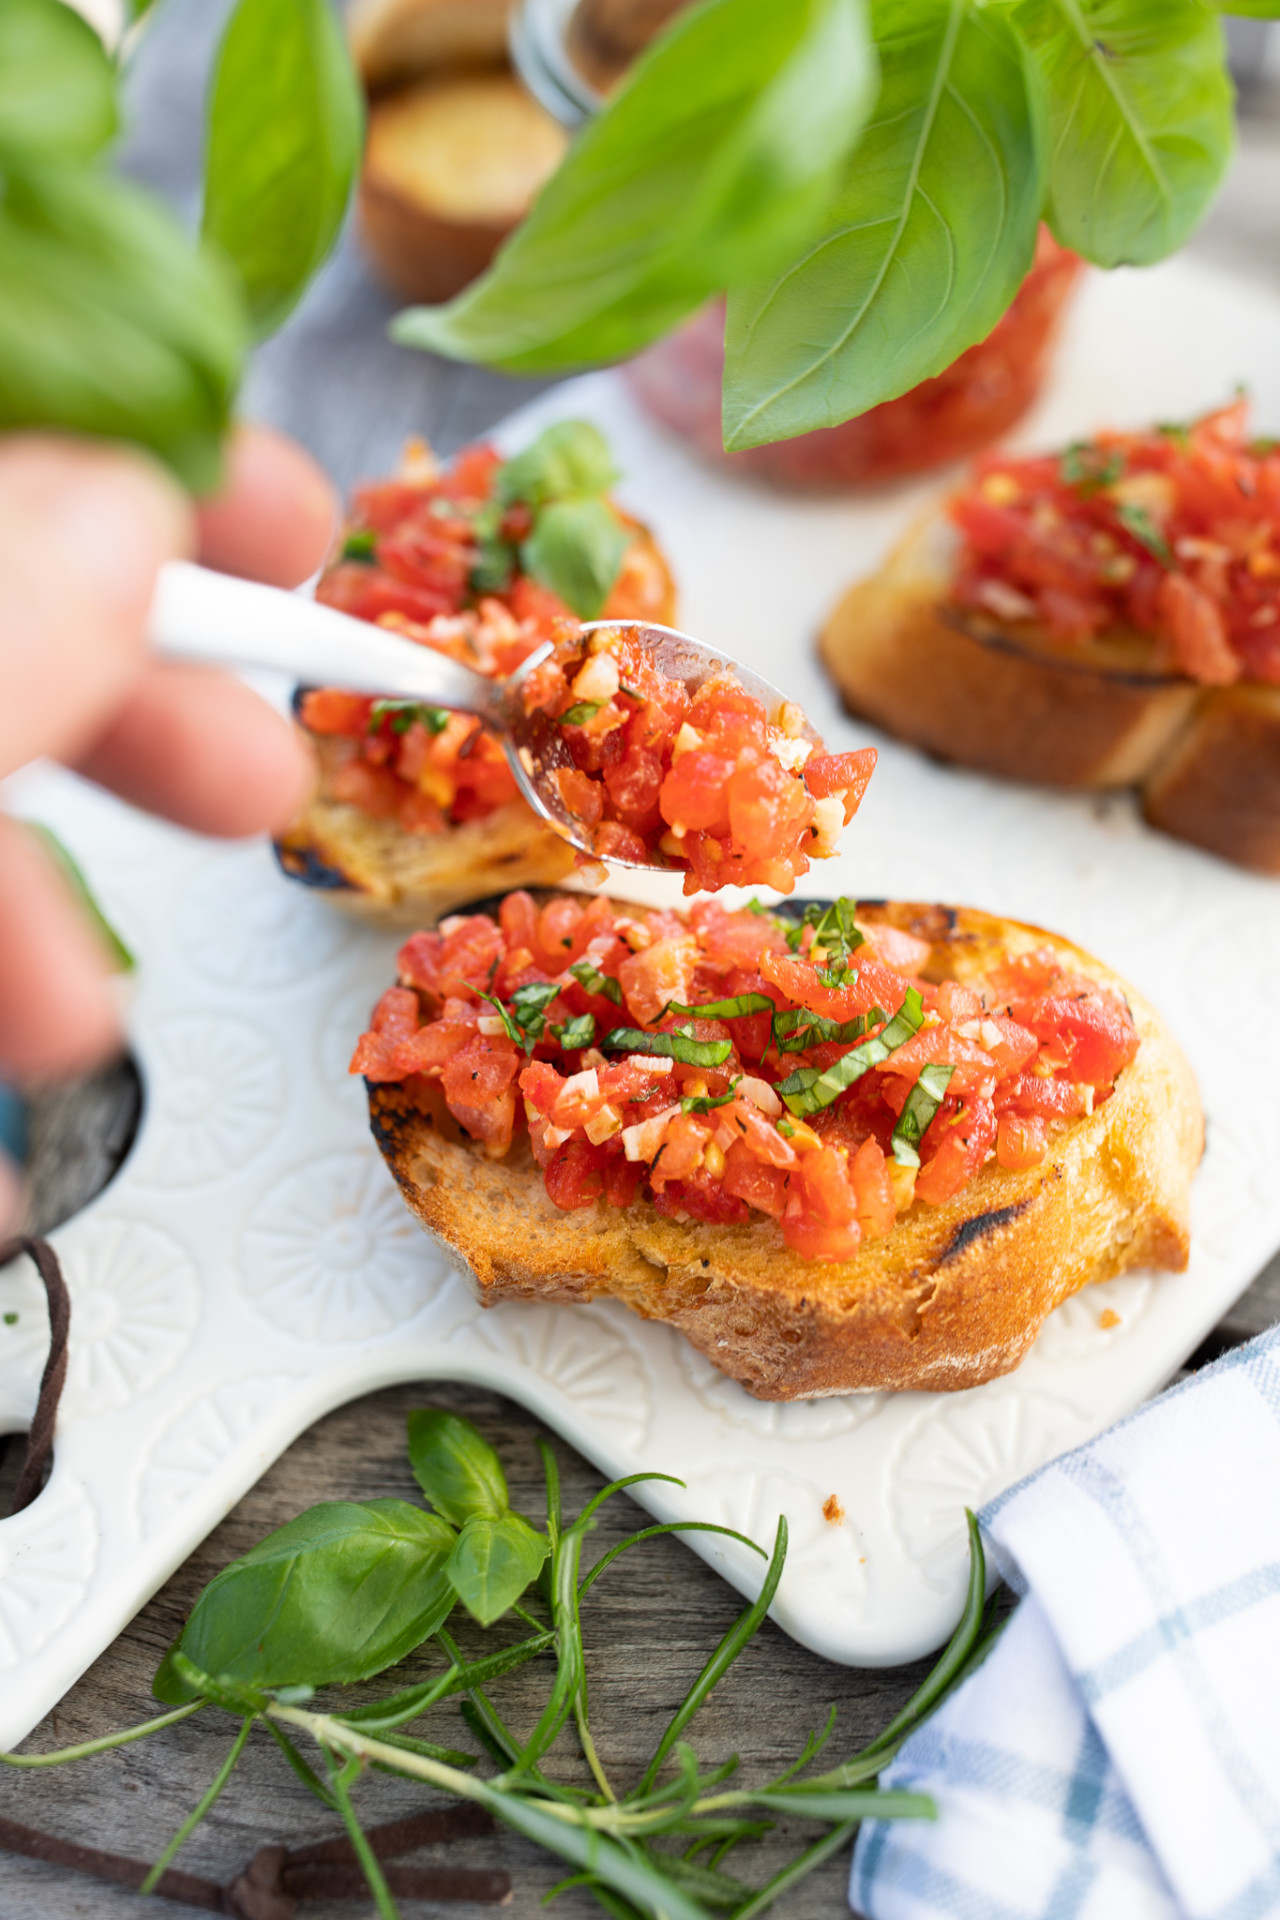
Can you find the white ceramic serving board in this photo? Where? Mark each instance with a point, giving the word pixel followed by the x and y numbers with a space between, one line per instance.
pixel 252 1265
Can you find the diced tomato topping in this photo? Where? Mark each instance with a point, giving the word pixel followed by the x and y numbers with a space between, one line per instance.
pixel 701 1133
pixel 844 773
pixel 1174 531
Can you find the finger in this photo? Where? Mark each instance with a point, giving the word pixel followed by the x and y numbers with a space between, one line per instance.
pixel 83 530
pixel 11 1195
pixel 203 750
pixel 276 514
pixel 59 1013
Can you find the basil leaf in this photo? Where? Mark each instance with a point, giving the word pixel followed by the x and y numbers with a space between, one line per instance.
pixel 110 323
pixel 458 1471
pixel 57 84
pixel 577 549
pixel 286 121
pixel 343 1591
pixel 578 715
pixel 529 1005
pixel 493 1562
pixel 810 1089
pixel 1139 523
pixel 568 459
pixel 704 1102
pixel 923 1102
pixel 512 1031
pixel 734 1009
pixel 1140 120
pixel 579 1032
pixel 668 1046
pixel 713 160
pixel 796 1029
pixel 1089 469
pixel 403 713
pixel 925 245
pixel 361 545
pixel 596 982
pixel 121 958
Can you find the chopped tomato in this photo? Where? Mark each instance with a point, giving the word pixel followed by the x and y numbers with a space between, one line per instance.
pixel 698 1129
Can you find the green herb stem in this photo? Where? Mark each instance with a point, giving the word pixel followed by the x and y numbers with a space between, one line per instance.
pixel 195 1817
pixel 105 1743
pixel 340 1779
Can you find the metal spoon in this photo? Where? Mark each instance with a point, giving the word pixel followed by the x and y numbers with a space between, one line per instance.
pixel 215 618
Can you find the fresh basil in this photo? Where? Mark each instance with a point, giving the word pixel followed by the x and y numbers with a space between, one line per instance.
pixel 714 160
pixel 362 545
pixel 810 1089
pixel 576 1033
pixel 526 1019
pixel 796 1029
pixel 704 1102
pixel 1140 120
pixel 923 1101
pixel 577 716
pixel 402 714
pixel 576 549
pixel 834 928
pixel 338 1594
pixel 456 1468
pixel 593 981
pixel 569 459
pixel 1137 521
pixel 57 85
pixel 924 246
pixel 736 1008
pixel 679 1045
pixel 285 128
pixel 110 323
pixel 122 960
pixel 496 1558
pixel 1088 469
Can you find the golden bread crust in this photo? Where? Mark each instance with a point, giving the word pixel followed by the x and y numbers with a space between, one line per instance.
pixel 1009 702
pixel 953 1296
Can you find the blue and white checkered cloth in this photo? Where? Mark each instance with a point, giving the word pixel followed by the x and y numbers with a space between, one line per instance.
pixel 1118 1755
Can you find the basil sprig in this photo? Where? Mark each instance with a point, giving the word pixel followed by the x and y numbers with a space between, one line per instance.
pixel 339 1594
pixel 923 1101
pixel 594 981
pixel 679 1045
pixel 111 323
pixel 810 1089
pixel 576 1033
pixel 868 229
pixel 833 928
pixel 525 1019
pixel 577 544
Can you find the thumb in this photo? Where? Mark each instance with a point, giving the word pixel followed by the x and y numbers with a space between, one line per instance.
pixel 83 531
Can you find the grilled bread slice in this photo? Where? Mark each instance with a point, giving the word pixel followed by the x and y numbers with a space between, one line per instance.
pixel 950 1297
pixel 1005 699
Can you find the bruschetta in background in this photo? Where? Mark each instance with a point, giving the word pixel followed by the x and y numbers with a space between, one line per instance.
pixel 838 1147
pixel 1107 616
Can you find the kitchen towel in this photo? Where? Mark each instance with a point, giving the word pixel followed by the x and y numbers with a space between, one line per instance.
pixel 1118 1755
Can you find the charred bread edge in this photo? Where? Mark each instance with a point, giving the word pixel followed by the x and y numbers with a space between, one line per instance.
pixel 1206 759
pixel 952 1297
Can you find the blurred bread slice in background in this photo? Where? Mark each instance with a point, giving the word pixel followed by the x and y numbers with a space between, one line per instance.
pixel 456 148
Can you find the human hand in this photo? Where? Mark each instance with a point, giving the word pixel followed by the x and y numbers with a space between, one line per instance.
pixel 83 532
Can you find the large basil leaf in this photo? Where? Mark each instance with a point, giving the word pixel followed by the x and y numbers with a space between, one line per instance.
pixel 285 125
pixel 1140 120
pixel 568 458
pixel 577 549
pixel 925 245
pixel 57 86
pixel 338 1594
pixel 715 159
pixel 493 1562
pixel 456 1468
pixel 110 323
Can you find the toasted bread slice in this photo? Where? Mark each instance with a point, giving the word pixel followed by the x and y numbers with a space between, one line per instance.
pixel 952 1296
pixel 399 39
pixel 1006 699
pixel 452 163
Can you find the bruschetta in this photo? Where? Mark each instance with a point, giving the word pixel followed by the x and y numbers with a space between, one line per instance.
pixel 416 810
pixel 1104 617
pixel 838 1147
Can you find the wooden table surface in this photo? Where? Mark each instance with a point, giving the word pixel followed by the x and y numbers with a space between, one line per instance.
pixel 652 1622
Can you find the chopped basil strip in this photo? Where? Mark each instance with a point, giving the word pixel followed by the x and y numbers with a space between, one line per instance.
pixel 526 1019
pixel 923 1102
pixel 403 713
pixel 580 1032
pixel 786 1129
pixel 1088 468
pixel 594 981
pixel 759 908
pixel 495 559
pixel 735 1009
pixel 1144 530
pixel 578 716
pixel 360 545
pixel 679 1045
pixel 810 1089
pixel 833 929
pixel 703 1102
pixel 797 1029
pixel 1258 448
